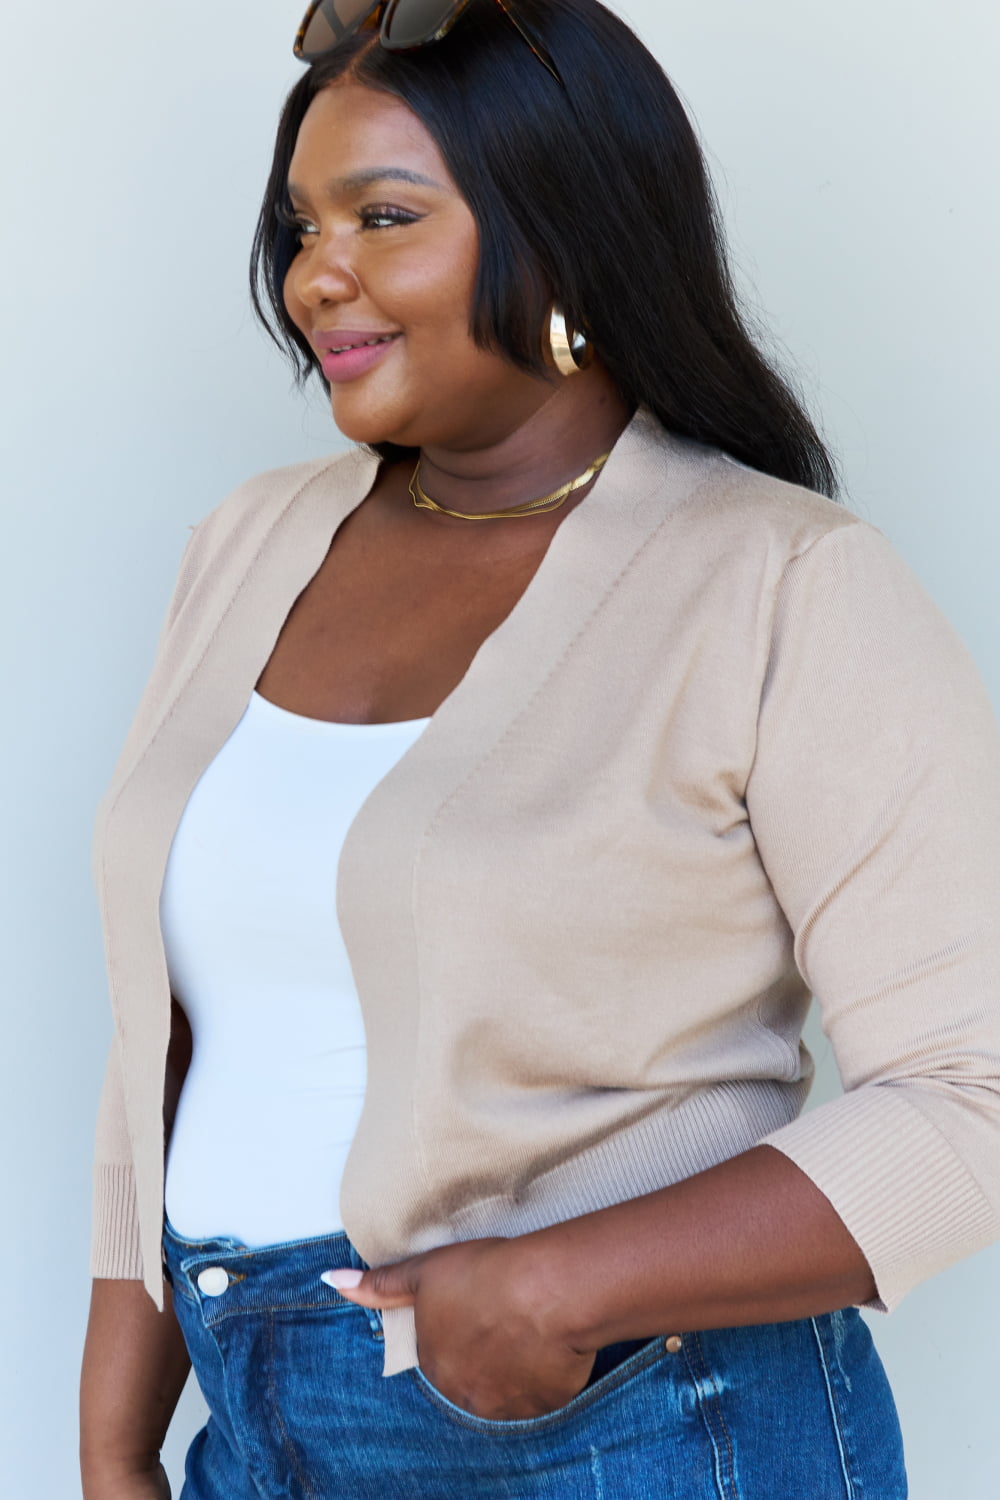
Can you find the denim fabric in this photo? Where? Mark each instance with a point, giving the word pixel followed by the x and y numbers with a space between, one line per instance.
pixel 292 1374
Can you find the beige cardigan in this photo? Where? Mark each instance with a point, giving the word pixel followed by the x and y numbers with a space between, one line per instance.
pixel 722 753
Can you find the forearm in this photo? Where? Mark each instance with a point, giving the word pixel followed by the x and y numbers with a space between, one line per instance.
pixel 134 1367
pixel 749 1241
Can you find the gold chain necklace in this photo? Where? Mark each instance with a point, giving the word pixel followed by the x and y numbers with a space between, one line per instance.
pixel 530 508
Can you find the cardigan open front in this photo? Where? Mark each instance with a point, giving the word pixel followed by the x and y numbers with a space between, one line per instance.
pixel 722 754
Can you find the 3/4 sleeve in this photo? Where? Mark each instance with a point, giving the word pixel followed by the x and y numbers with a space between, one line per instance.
pixel 220 555
pixel 115 1251
pixel 875 803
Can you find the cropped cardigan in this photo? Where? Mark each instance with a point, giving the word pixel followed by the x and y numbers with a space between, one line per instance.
pixel 724 753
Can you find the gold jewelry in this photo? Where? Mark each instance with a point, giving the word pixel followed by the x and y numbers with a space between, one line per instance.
pixel 530 508
pixel 570 351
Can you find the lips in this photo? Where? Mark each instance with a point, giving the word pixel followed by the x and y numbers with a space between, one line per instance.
pixel 346 354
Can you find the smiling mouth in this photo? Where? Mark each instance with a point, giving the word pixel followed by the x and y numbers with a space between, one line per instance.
pixel 368 344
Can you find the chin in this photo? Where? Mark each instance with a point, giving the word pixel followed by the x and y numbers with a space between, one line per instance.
pixel 360 424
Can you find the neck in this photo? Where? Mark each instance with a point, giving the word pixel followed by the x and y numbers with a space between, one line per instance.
pixel 582 419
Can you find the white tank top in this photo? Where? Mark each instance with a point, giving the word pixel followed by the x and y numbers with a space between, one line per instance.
pixel 255 956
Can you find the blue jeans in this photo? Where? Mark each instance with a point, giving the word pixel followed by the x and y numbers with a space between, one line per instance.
pixel 292 1374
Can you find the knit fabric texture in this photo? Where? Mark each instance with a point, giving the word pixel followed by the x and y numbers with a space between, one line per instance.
pixel 724 753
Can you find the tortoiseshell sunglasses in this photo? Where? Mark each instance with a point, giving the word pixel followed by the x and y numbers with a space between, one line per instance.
pixel 401 24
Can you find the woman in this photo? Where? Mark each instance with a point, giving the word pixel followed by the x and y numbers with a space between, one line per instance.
pixel 612 738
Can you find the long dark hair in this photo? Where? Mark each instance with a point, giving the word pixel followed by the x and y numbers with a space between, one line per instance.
pixel 594 193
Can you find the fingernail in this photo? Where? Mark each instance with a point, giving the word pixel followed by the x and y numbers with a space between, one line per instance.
pixel 343 1281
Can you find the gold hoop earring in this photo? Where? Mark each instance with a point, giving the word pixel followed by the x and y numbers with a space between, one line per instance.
pixel 570 351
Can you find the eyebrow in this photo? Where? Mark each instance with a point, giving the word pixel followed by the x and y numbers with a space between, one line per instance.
pixel 366 178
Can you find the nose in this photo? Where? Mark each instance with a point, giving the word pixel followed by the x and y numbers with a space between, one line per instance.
pixel 321 273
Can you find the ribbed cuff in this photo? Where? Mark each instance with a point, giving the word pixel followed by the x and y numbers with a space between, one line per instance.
pixel 400 1340
pixel 115 1250
pixel 902 1191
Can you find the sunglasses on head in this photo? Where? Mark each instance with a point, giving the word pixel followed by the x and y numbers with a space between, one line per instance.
pixel 401 24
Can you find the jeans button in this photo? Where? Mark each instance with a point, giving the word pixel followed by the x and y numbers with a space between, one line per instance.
pixel 674 1344
pixel 213 1281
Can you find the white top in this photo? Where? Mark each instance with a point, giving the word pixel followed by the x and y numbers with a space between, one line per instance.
pixel 255 956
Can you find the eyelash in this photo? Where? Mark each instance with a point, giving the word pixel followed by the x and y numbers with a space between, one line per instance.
pixel 393 218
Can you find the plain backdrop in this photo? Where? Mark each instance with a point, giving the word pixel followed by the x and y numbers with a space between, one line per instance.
pixel 854 148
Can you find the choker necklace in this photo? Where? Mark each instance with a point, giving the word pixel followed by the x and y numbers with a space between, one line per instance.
pixel 530 508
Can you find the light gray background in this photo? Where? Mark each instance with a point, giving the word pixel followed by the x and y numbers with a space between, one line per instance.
pixel 855 149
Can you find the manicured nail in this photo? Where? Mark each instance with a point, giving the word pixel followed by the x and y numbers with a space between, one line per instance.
pixel 343 1281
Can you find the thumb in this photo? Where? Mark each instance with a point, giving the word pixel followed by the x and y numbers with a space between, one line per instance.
pixel 384 1287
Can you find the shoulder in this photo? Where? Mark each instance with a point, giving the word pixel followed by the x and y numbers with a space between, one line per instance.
pixel 224 544
pixel 742 510
pixel 752 532
pixel 758 563
pixel 822 602
pixel 257 502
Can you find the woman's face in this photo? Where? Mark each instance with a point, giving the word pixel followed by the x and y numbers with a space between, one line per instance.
pixel 389 252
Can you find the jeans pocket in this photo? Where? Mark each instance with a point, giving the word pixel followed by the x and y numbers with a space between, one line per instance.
pixel 619 1369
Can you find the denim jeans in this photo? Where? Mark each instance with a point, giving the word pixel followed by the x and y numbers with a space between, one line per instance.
pixel 299 1408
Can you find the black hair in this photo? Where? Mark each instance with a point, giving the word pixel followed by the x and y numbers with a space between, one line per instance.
pixel 594 193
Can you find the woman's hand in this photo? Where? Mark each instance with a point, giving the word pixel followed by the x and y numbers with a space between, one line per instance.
pixel 487 1332
pixel 509 1328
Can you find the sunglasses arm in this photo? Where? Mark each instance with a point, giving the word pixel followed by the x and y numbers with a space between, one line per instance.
pixel 536 46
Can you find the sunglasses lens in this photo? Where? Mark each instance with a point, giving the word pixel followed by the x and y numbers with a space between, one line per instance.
pixel 410 23
pixel 330 23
